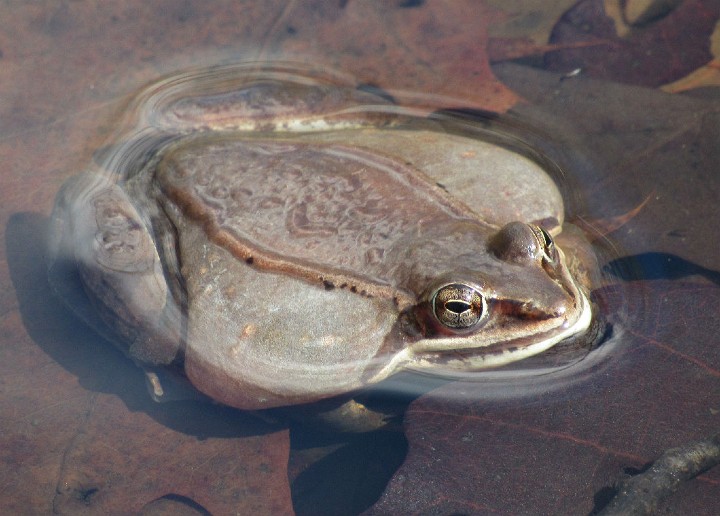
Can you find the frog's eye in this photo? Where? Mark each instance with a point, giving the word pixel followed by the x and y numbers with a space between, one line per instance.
pixel 459 306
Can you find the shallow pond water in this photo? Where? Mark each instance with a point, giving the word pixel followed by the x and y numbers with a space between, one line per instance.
pixel 79 431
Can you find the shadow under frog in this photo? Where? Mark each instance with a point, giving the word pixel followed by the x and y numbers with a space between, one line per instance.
pixel 80 347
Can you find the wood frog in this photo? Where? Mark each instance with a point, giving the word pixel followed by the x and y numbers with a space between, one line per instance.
pixel 281 239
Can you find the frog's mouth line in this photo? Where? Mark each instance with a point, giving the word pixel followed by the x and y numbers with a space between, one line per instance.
pixel 423 356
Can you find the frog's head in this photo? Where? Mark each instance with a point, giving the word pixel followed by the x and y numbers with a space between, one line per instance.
pixel 511 298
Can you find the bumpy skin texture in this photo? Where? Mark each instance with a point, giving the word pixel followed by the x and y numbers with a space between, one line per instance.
pixel 285 241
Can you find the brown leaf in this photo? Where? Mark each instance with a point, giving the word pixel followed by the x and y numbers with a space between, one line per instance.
pixel 123 460
pixel 436 48
pixel 652 54
pixel 528 19
pixel 705 76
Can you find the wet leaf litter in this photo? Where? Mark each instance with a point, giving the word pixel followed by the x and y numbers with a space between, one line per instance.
pixel 676 232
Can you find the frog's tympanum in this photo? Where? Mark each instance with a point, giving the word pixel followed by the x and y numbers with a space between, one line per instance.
pixel 282 239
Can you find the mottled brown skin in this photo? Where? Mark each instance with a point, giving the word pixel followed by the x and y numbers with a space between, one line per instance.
pixel 282 257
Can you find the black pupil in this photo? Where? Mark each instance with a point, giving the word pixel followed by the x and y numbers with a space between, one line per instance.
pixel 457 307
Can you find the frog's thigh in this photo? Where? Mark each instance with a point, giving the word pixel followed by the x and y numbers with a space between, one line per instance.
pixel 121 271
pixel 257 339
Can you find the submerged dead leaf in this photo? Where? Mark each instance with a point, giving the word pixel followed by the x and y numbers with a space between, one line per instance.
pixel 122 461
pixel 528 19
pixel 436 48
pixel 652 54
pixel 708 75
pixel 703 77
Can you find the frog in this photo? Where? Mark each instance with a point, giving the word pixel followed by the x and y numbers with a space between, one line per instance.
pixel 279 238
